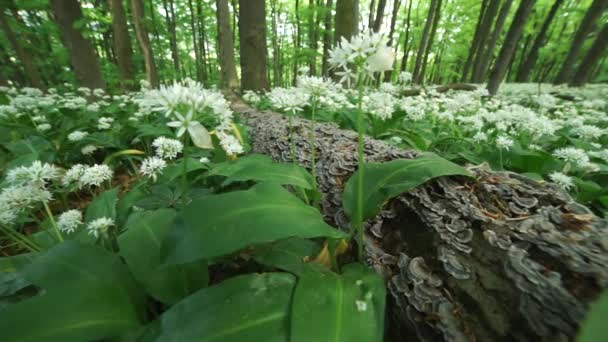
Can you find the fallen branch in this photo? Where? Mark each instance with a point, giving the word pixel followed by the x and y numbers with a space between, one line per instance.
pixel 440 89
pixel 500 257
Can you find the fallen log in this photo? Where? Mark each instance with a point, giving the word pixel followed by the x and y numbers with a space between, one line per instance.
pixel 498 257
pixel 440 89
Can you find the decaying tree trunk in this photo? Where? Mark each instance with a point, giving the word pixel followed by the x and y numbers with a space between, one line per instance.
pixel 498 257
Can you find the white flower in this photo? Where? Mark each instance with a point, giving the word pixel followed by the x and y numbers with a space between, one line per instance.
pixel 77 135
pixel 588 132
pixel 100 226
pixel 73 174
pixel 95 175
pixel 290 100
pixel 152 167
pixel 204 160
pixel 229 143
pixel 251 96
pixel 69 221
pixel 504 142
pixel 88 150
pixel 182 123
pixel 379 104
pixel 405 77
pixel 561 180
pixel 572 155
pixel 361 305
pixel 37 174
pixel 7 216
pixel 316 86
pixel 167 148
pixel 105 123
pixel 480 136
pixel 43 127
pixel 381 60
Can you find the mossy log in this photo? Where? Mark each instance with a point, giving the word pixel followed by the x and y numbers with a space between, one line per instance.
pixel 496 258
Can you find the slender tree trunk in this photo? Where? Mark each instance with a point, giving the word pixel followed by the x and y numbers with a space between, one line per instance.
pixel 327 43
pixel 202 41
pixel 347 19
pixel 31 71
pixel 312 37
pixel 122 45
pixel 591 59
pixel 485 31
pixel 199 66
pixel 508 48
pixel 170 19
pixel 370 20
pixel 484 63
pixel 394 15
pixel 525 69
pixel 276 54
pixel 586 26
pixel 252 34
pixel 417 75
pixel 137 9
pixel 82 54
pixel 379 15
pixel 475 43
pixel 406 42
pixel 155 32
pixel 298 40
pixel 429 45
pixel 228 78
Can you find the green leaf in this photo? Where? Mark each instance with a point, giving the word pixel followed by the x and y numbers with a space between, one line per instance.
pixel 288 254
pixel 594 328
pixel 383 181
pixel 175 170
pixel 104 205
pixel 89 294
pixel 261 168
pixel 140 245
pixel 339 307
pixel 253 307
pixel 218 225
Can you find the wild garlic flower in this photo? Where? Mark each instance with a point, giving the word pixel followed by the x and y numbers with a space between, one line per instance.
pixel 251 96
pixel 100 226
pixel 17 198
pixel 105 123
pixel 95 175
pixel 588 132
pixel 152 167
pixel 382 59
pixel 88 149
pixel 167 148
pixel 37 174
pixel 204 160
pixel 77 135
pixel 290 100
pixel 73 174
pixel 314 85
pixel 367 50
pixel 480 137
pixel 504 142
pixel 405 77
pixel 562 180
pixel 379 104
pixel 573 155
pixel 183 123
pixel 229 143
pixel 43 127
pixel 69 221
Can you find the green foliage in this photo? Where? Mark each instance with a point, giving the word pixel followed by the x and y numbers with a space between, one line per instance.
pixel 594 328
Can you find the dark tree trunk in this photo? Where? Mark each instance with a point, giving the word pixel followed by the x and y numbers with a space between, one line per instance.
pixel 312 37
pixel 394 15
pixel 155 33
pixel 252 34
pixel 82 54
pixel 347 19
pixel 202 41
pixel 372 7
pixel 484 37
pixel 417 77
pixel 298 40
pixel 379 15
pixel 406 42
pixel 122 45
pixel 170 19
pixel 327 43
pixel 31 71
pixel 429 45
pixel 591 59
pixel 195 43
pixel 508 48
pixel 484 63
pixel 465 259
pixel 525 69
pixel 137 9
pixel 276 53
pixel 586 26
pixel 228 76
pixel 475 43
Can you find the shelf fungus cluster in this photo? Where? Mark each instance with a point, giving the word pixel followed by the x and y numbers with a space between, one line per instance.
pixel 498 257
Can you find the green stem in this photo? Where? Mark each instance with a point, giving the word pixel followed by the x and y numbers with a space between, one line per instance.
pixel 20 239
pixel 312 143
pixel 185 171
pixel 358 226
pixel 52 219
pixel 291 140
pixel 500 158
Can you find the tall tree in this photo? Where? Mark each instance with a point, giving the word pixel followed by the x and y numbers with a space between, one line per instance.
pixel 379 15
pixel 122 44
pixel 486 57
pixel 526 67
pixel 83 58
pixel 484 36
pixel 417 77
pixel 475 43
pixel 406 45
pixel 171 27
pixel 507 51
pixel 394 15
pixel 197 52
pixel 586 26
pixel 252 35
pixel 370 21
pixel 202 40
pixel 137 9
pixel 347 19
pixel 429 46
pixel 298 40
pixel 31 71
pixel 591 59
pixel 312 36
pixel 276 53
pixel 327 43
pixel 228 78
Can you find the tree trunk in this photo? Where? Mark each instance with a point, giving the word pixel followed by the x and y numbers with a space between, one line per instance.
pixel 394 15
pixel 417 77
pixel 202 41
pixel 347 19
pixel 327 43
pixel 228 78
pixel 593 56
pixel 312 37
pixel 137 9
pixel 170 19
pixel 252 34
pixel 484 63
pixel 155 33
pixel 379 15
pixel 525 69
pixel 508 48
pixel 197 52
pixel 593 14
pixel 429 45
pixel 122 45
pixel 485 30
pixel 298 40
pixel 370 20
pixel 276 53
pixel 406 44
pixel 82 54
pixel 465 259
pixel 31 71
pixel 474 48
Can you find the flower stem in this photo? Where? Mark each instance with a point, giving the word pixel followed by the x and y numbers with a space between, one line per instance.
pixel 185 170
pixel 291 141
pixel 312 142
pixel 358 223
pixel 500 158
pixel 52 219
pixel 21 239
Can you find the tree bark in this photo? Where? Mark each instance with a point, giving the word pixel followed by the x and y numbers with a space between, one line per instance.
pixel 252 34
pixel 202 41
pixel 485 31
pixel 228 78
pixel 525 69
pixel 170 19
pixel 484 63
pixel 31 71
pixel 298 40
pixel 423 43
pixel 498 257
pixel 429 45
pixel 593 56
pixel 394 15
pixel 276 52
pixel 379 15
pixel 347 19
pixel 475 43
pixel 327 42
pixel 370 20
pixel 312 37
pixel 593 14
pixel 83 58
pixel 406 42
pixel 137 9
pixel 122 45
pixel 508 48
pixel 195 43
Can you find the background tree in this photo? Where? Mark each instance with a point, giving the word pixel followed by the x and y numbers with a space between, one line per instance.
pixel 252 35
pixel 137 7
pixel 595 53
pixel 228 77
pixel 417 75
pixel 122 44
pixel 347 19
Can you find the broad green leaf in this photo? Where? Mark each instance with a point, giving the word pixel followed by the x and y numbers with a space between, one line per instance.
pixel 253 307
pixel 260 168
pixel 175 170
pixel 104 205
pixel 383 181
pixel 338 307
pixel 88 294
pixel 289 254
pixel 218 225
pixel 140 245
pixel 587 190
pixel 594 328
